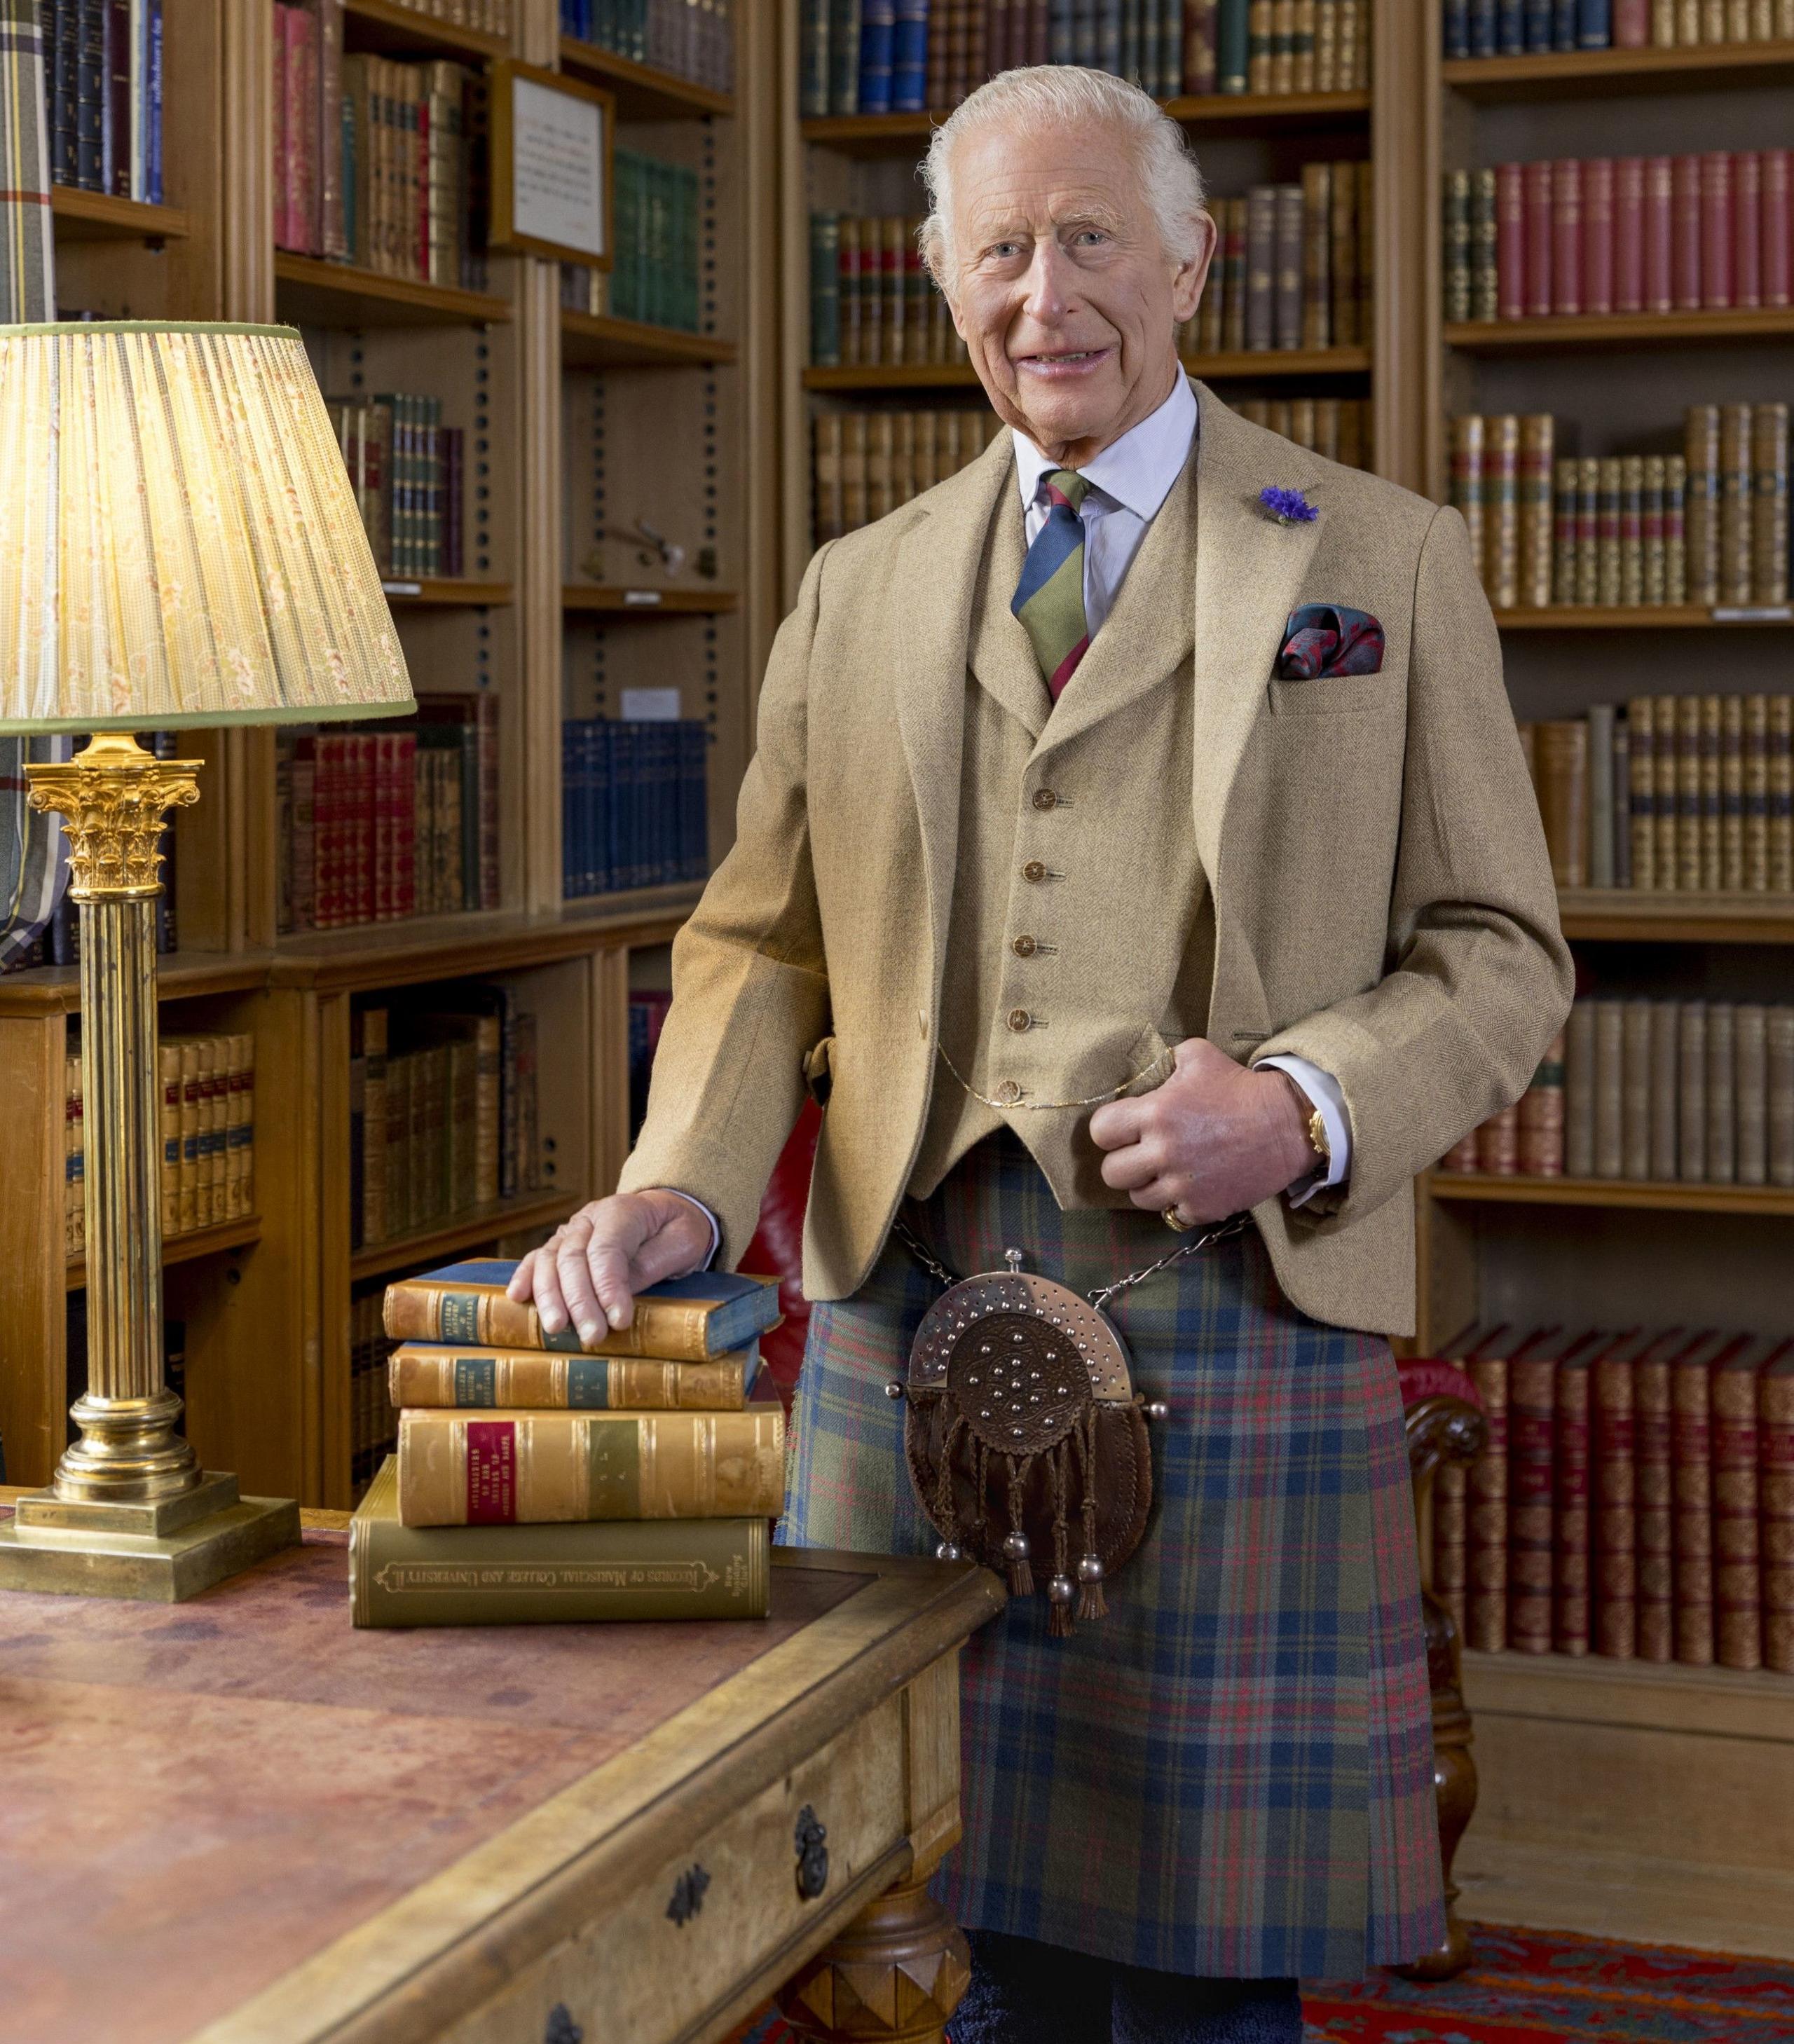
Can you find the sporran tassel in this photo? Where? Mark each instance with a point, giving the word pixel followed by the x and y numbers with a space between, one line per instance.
pixel 1092 1603
pixel 1015 1541
pixel 1058 1621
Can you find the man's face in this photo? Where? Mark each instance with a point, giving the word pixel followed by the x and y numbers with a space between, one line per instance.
pixel 1066 298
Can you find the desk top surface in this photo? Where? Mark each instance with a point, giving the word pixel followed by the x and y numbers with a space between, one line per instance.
pixel 211 1794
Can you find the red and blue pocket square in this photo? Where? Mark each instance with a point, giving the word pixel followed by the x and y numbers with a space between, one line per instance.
pixel 1325 638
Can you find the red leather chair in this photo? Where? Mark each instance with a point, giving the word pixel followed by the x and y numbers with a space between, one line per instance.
pixel 1445 1424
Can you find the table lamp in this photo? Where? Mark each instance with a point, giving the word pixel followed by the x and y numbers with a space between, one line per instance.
pixel 179 546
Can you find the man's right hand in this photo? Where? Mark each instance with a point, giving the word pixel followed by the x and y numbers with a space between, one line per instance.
pixel 590 1270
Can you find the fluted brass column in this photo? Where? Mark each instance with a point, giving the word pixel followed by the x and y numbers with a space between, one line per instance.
pixel 129 1513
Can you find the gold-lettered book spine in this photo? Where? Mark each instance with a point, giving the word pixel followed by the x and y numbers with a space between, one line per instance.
pixel 458 1469
pixel 419 1374
pixel 693 1568
pixel 673 1330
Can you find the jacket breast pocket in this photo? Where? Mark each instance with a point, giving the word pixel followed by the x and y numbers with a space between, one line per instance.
pixel 1337 695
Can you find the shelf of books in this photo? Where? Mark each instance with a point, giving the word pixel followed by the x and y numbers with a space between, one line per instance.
pixel 1608 351
pixel 1287 136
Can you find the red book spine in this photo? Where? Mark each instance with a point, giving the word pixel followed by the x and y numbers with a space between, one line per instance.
pixel 326 807
pixel 1631 24
pixel 1597 235
pixel 1652 1485
pixel 1685 212
pixel 1775 1472
pixel 1531 1424
pixel 1486 1621
pixel 1773 167
pixel 1615 1567
pixel 361 904
pixel 301 117
pixel 1629 234
pixel 1737 1582
pixel 1537 239
pixel 1510 241
pixel 1746 229
pixel 385 753
pixel 1691 1449
pixel 1569 1587
pixel 1659 235
pixel 1566 235
pixel 1715 230
pixel 405 827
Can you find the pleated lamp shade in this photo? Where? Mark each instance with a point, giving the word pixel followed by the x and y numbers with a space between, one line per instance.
pixel 179 543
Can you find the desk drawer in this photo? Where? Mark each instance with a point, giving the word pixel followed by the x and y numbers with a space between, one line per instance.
pixel 643 1977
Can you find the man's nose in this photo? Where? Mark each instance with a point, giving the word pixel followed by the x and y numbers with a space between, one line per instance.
pixel 1049 282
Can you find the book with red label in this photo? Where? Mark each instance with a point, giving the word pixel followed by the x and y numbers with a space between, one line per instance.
pixel 1775 1473
pixel 1614 1560
pixel 1653 1475
pixel 545 1468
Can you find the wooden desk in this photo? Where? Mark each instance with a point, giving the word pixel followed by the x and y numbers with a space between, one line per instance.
pixel 238 1821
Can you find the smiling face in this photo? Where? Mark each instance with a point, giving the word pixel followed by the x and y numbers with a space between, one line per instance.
pixel 1064 295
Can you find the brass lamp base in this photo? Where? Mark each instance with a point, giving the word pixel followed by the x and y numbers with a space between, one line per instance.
pixel 162 1552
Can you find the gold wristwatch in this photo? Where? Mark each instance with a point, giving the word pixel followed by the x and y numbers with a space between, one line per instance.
pixel 1317 1140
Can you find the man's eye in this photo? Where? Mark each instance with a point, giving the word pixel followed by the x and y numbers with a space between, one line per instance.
pixel 1088 237
pixel 1003 250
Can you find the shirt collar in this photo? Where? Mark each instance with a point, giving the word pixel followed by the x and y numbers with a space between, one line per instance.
pixel 1137 471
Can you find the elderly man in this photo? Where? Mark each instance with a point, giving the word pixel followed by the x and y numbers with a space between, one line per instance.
pixel 1098 775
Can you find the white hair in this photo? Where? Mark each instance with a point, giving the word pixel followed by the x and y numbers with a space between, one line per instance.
pixel 1049 96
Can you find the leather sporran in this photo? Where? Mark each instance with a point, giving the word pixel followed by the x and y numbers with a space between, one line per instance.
pixel 1025 1438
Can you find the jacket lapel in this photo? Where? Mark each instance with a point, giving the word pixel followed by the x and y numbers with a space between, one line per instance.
pixel 927 628
pixel 1249 574
pixel 1002 655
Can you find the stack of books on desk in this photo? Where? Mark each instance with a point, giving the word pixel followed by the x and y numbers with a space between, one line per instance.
pixel 539 1480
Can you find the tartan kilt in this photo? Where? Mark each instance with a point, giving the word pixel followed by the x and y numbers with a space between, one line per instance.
pixel 1230 1775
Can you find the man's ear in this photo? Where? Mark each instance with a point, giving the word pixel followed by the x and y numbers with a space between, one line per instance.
pixel 1187 283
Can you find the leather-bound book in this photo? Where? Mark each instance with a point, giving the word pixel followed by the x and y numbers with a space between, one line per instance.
pixel 1486 1500
pixel 1610 1094
pixel 1501 540
pixel 1260 30
pixel 1691 1139
pixel 1579 1091
pixel 1746 230
pixel 1538 434
pixel 1541 1117
pixel 1498 1144
pixel 1597 235
pixel 1659 263
pixel 1199 47
pixel 1691 1472
pixel 1260 266
pixel 1664 823
pixel 1687 794
pixel 1715 230
pixel 1457 245
pixel 1536 239
pixel 1722 1094
pixel 1602 720
pixel 1569 1487
pixel 1629 234
pixel 1566 235
pixel 1775 1469
pixel 1287 252
pixel 1735 507
pixel 1654 1491
pixel 1631 531
pixel 1563 767
pixel 1780 796
pixel 1730 712
pixel 1685 227
pixel 1614 1529
pixel 1233 253
pixel 1712 832
pixel 1343 259
pixel 1467 455
pixel 1675 541
pixel 1565 474
pixel 1485 284
pixel 1665 1078
pixel 425 1374
pixel 1588 531
pixel 1510 241
pixel 1773 167
pixel 1778 1087
pixel 1701 506
pixel 1737 1582
pixel 1317 237
pixel 1755 771
pixel 1750 1060
pixel 1636 1089
pixel 1608 588
pixel 1532 1428
pixel 1768 532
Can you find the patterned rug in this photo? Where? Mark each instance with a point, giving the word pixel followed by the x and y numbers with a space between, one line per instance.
pixel 1540 1987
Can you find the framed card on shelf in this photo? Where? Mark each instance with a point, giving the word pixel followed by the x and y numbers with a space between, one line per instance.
pixel 551 143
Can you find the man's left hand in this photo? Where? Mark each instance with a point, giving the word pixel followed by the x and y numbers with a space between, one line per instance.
pixel 1215 1137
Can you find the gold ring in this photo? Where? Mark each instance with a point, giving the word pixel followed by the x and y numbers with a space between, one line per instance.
pixel 1173 1217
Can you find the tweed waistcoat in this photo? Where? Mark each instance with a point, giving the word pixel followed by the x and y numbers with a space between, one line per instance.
pixel 1080 940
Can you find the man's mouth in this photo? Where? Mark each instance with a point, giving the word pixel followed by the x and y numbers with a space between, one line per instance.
pixel 1065 358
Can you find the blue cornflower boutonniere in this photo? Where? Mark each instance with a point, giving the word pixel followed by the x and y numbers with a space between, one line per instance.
pixel 1288 507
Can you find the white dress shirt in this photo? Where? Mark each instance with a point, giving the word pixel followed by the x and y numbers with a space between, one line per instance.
pixel 1129 480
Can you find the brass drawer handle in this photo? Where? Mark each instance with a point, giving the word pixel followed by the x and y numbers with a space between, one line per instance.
pixel 688 1895
pixel 813 1854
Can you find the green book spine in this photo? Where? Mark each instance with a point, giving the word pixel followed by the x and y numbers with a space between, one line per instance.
pixel 539 1575
pixel 1230 46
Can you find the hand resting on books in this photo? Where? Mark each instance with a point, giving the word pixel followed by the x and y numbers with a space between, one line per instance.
pixel 590 1270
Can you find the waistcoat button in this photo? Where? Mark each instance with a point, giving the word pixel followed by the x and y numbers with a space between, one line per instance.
pixel 1009 1093
pixel 1023 946
pixel 1044 798
pixel 1034 871
pixel 1019 1019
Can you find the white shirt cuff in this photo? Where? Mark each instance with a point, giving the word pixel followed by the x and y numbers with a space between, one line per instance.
pixel 715 1227
pixel 1322 1092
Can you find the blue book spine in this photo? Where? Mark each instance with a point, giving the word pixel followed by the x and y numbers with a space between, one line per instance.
pixel 601 851
pixel 877 33
pixel 1482 27
pixel 1456 29
pixel 670 768
pixel 152 107
pixel 1538 26
pixel 1594 24
pixel 1061 35
pixel 696 801
pixel 569 809
pixel 909 58
pixel 1563 25
pixel 1510 27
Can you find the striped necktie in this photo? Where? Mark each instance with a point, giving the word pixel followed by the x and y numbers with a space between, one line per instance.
pixel 1049 599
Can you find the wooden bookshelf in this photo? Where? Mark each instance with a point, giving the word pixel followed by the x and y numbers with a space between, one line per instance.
pixel 86 215
pixel 1571 74
pixel 643 93
pixel 1570 332
pixel 594 341
pixel 310 293
pixel 187 1248
pixel 394 29
pixel 651 602
pixel 437 593
pixel 1664 616
pixel 1617 1799
pixel 1286 361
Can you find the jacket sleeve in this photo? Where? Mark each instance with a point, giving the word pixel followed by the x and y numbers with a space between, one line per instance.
pixel 750 981
pixel 1479 979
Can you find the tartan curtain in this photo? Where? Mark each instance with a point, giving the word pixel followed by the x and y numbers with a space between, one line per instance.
pixel 33 856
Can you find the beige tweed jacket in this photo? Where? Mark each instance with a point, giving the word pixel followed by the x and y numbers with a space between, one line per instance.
pixel 1382 901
